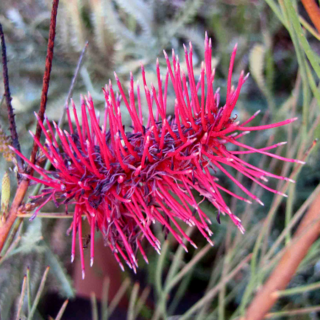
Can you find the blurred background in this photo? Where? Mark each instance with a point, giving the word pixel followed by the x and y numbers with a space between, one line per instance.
pixel 122 34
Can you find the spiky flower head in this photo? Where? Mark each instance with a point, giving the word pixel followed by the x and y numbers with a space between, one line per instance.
pixel 125 179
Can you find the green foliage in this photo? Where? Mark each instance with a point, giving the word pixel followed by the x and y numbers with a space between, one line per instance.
pixel 257 63
pixel 33 252
pixel 31 239
pixel 11 278
pixel 60 273
pixel 81 21
pixel 124 33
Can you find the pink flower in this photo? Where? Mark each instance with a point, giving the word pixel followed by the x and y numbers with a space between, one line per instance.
pixel 123 180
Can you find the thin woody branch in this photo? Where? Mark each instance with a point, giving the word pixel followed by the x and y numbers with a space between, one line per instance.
pixel 7 94
pixel 4 231
pixel 305 236
pixel 46 76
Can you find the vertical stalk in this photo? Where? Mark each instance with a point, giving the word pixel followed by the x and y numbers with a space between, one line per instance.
pixel 46 76
pixel 7 94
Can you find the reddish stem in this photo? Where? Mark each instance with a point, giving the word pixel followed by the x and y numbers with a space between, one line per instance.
pixel 5 229
pixel 305 236
pixel 46 76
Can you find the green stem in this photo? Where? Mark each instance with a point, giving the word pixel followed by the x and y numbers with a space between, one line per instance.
pixel 289 209
pixel 297 290
pixel 38 295
pixel 211 293
pixel 28 290
pixel 132 302
pixel 162 294
pixel 104 300
pixel 292 312
pixel 94 306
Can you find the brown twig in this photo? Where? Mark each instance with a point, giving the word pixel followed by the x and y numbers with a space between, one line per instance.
pixel 306 234
pixel 7 94
pixel 5 229
pixel 313 11
pixel 46 76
